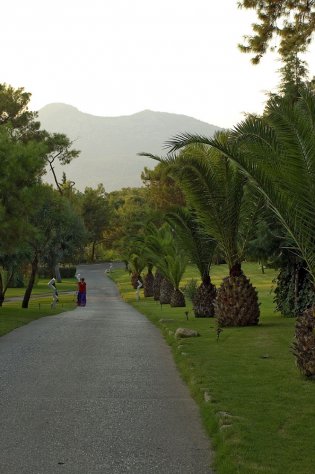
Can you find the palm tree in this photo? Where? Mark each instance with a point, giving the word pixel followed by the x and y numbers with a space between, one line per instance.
pixel 200 247
pixel 148 282
pixel 136 265
pixel 277 152
pixel 215 188
pixel 164 252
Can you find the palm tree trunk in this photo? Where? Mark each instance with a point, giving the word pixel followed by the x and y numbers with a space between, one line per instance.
pixel 148 283
pixel 304 345
pixel 203 304
pixel 237 301
pixel 166 291
pixel 157 285
pixel 177 299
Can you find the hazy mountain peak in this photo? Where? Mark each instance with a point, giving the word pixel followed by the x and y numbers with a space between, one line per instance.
pixel 109 145
pixel 56 107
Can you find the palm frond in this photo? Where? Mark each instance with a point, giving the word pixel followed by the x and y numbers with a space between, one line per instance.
pixel 193 237
pixel 277 152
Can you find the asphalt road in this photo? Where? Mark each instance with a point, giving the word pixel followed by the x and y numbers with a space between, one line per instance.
pixel 95 390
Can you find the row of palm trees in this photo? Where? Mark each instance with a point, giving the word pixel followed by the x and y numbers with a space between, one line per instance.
pixel 222 209
pixel 227 180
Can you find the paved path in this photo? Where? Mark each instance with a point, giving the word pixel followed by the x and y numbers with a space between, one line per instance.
pixel 95 390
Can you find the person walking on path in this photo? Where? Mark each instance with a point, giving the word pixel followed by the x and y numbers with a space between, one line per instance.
pixel 81 292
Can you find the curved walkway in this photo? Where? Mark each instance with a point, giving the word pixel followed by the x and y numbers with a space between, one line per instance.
pixel 95 390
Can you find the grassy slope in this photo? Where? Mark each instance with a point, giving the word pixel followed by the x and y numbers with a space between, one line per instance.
pixel 13 316
pixel 260 413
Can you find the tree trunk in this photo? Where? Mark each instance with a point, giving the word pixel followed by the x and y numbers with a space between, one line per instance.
pixel 31 281
pixel 93 252
pixel 1 290
pixel 57 273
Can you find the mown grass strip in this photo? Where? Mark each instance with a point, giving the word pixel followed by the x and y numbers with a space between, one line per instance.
pixel 13 316
pixel 256 407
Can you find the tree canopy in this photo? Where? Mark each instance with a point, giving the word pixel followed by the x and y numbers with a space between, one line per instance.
pixel 292 21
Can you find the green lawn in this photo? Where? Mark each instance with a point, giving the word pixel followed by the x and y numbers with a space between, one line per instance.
pixel 68 284
pixel 260 410
pixel 13 316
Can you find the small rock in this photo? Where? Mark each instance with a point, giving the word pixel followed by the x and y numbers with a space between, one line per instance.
pixel 224 414
pixel 224 427
pixel 207 397
pixel 186 332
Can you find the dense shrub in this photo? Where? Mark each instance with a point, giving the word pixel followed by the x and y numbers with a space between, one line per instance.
pixel 65 272
pixel 294 291
pixel 17 281
pixel 190 289
pixel 68 272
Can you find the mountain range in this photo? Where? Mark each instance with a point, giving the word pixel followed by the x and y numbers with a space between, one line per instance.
pixel 109 145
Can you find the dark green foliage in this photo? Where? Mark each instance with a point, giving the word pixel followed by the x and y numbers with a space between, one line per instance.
pixel 44 272
pixel 190 289
pixel 295 289
pixel 67 272
pixel 17 281
pixel 95 212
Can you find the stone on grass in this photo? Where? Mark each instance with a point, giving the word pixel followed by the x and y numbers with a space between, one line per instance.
pixel 186 332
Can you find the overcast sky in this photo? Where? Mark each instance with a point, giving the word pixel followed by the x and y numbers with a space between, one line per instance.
pixel 118 57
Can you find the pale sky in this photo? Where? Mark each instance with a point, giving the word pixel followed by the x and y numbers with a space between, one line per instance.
pixel 118 57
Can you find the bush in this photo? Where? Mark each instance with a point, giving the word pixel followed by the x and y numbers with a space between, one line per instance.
pixel 65 272
pixel 68 272
pixel 17 281
pixel 190 289
pixel 44 272
pixel 295 291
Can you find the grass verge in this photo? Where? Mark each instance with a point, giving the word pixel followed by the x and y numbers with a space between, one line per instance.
pixel 13 316
pixel 256 407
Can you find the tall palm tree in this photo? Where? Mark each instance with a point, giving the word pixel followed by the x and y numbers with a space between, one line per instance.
pixel 277 152
pixel 200 248
pixel 215 188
